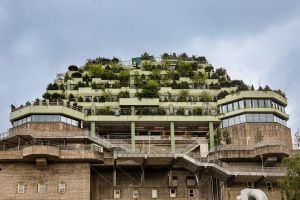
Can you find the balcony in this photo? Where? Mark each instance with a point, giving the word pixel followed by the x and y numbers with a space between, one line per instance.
pixel 138 102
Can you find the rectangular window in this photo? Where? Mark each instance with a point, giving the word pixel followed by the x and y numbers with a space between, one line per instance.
pixel 61 187
pixel 248 103
pixel 241 104
pixel 249 117
pixel 63 119
pixel 191 192
pixel 237 120
pixel 269 186
pixel 255 103
pixel 261 103
pixel 173 193
pixel 270 117
pixel 224 109
pixel 154 194
pixel 250 185
pixel 268 103
pixel 117 194
pixel 230 107
pixel 190 181
pixel 263 117
pixel 135 194
pixel 243 118
pixel 21 187
pixel 225 123
pixel 231 121
pixel 41 187
pixel 235 105
pixel 256 117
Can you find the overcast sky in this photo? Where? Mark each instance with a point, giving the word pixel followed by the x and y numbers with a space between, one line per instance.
pixel 257 41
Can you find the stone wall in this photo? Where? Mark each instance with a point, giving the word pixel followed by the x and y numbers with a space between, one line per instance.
pixel 76 177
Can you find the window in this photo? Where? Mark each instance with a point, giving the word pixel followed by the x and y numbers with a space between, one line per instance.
pixel 117 194
pixel 248 103
pixel 243 118
pixel 249 117
pixel 135 194
pixel 261 103
pixel 41 187
pixel 235 105
pixel 255 103
pixel 224 109
pixel 241 104
pixel 21 187
pixel 250 185
pixel 237 120
pixel 191 193
pixel 230 108
pixel 256 118
pixel 225 123
pixel 190 181
pixel 270 118
pixel 154 194
pixel 173 193
pixel 269 186
pixel 61 187
pixel 268 103
pixel 231 121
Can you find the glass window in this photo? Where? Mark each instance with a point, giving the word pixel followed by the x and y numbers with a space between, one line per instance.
pixel 69 121
pixel 35 118
pixel 224 108
pixel 231 121
pixel 262 117
pixel 249 117
pixel 63 119
pixel 270 117
pixel 255 103
pixel 268 103
pixel 243 118
pixel 230 108
pixel 225 123
pixel 42 118
pixel 29 119
pixel 48 118
pixel 235 105
pixel 248 103
pixel 56 118
pixel 24 120
pixel 261 103
pixel 237 120
pixel 256 117
pixel 241 104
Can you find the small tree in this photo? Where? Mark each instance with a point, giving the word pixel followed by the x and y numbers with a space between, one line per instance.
pixel 80 99
pixel 183 94
pixel 290 184
pixel 226 137
pixel 259 137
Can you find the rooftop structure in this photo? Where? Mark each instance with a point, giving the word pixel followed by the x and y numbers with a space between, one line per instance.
pixel 172 127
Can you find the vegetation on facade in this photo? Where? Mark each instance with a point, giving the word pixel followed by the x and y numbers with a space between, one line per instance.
pixel 290 184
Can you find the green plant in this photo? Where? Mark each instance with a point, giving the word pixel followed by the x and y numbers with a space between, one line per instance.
pixel 150 89
pixel 73 68
pixel 123 94
pixel 222 94
pixel 197 111
pixel 226 137
pixel 107 95
pixel 80 99
pixel 183 94
pixel 76 75
pixel 290 184
pixel 180 111
pixel 258 137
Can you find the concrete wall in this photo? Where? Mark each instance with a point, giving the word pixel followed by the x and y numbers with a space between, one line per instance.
pixel 154 179
pixel 76 176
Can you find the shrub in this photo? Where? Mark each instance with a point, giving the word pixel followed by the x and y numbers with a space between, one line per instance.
pixel 80 99
pixel 73 68
pixel 76 75
pixel 222 94
pixel 123 94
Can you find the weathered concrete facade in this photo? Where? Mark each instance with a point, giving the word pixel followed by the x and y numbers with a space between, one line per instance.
pixel 75 176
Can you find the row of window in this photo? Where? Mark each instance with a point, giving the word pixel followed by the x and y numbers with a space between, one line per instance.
pixel 251 103
pixel 41 187
pixel 262 117
pixel 154 193
pixel 46 118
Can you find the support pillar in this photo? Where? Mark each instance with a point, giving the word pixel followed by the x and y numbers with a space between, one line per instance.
pixel 211 135
pixel 172 134
pixel 93 129
pixel 133 136
pixel 115 173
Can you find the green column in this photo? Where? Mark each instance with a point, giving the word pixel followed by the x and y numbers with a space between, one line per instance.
pixel 93 129
pixel 172 134
pixel 211 135
pixel 133 136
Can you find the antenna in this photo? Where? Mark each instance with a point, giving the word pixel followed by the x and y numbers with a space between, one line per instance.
pixel 287 88
pixel 13 100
